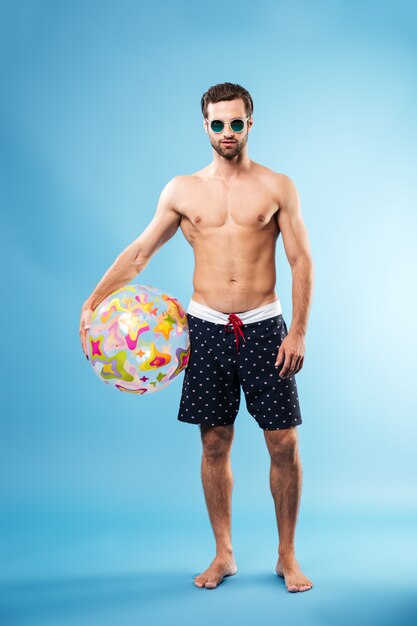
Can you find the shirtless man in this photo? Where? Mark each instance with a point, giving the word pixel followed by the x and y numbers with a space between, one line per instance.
pixel 231 212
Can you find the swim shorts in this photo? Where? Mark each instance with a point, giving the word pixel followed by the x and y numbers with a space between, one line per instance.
pixel 230 352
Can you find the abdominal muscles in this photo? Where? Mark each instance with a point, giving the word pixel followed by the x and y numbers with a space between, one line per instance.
pixel 234 273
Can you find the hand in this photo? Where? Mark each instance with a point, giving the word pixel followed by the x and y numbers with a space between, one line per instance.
pixel 85 323
pixel 291 355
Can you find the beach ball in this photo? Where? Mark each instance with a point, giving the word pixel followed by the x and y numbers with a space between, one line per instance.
pixel 138 340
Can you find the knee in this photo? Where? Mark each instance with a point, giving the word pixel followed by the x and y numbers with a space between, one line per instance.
pixel 217 441
pixel 282 444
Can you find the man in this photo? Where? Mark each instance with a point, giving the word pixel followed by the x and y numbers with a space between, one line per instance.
pixel 231 212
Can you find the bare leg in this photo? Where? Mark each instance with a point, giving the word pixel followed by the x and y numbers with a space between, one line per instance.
pixel 217 481
pixel 285 481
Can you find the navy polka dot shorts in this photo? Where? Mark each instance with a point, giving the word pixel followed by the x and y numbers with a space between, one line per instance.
pixel 222 362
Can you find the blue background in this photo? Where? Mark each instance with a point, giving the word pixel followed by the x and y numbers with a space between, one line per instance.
pixel 102 516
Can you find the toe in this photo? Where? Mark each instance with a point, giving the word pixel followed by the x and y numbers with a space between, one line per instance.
pixel 211 584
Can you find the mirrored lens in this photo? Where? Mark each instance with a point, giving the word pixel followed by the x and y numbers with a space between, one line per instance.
pixel 217 126
pixel 237 125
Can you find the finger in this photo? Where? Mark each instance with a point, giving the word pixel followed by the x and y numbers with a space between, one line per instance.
pixel 294 368
pixel 284 371
pixel 84 342
pixel 280 354
pixel 293 365
pixel 298 364
pixel 280 357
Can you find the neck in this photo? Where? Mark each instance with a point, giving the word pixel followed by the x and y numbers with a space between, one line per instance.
pixel 230 168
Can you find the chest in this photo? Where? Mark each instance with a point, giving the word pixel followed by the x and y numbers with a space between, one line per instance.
pixel 247 206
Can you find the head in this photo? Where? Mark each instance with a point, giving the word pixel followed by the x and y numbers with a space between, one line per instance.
pixel 226 102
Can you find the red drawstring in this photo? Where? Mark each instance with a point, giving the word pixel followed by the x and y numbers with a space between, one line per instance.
pixel 236 323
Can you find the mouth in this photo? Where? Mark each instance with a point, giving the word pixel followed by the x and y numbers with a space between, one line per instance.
pixel 228 143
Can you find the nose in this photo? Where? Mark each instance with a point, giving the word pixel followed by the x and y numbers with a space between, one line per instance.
pixel 228 133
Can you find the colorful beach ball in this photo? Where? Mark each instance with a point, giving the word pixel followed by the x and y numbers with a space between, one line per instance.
pixel 139 339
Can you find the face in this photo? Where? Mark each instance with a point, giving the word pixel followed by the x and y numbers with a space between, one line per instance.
pixel 227 110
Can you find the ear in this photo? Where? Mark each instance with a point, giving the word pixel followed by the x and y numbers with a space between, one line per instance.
pixel 205 126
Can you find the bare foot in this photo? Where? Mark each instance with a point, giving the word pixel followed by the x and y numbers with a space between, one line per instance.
pixel 217 570
pixel 295 580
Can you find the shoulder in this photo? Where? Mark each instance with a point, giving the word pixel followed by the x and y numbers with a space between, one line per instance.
pixel 174 184
pixel 286 191
pixel 281 186
pixel 181 183
pixel 280 180
pixel 176 190
pixel 268 174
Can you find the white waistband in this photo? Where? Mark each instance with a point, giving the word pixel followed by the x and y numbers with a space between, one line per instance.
pixel 255 315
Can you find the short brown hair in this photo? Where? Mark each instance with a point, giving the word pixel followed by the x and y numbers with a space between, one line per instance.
pixel 226 91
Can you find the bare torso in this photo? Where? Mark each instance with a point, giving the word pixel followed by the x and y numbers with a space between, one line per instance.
pixel 232 227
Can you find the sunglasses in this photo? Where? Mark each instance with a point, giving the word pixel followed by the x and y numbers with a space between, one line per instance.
pixel 236 125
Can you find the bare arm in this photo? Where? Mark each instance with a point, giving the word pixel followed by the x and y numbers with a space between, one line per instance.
pixel 297 250
pixel 136 256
